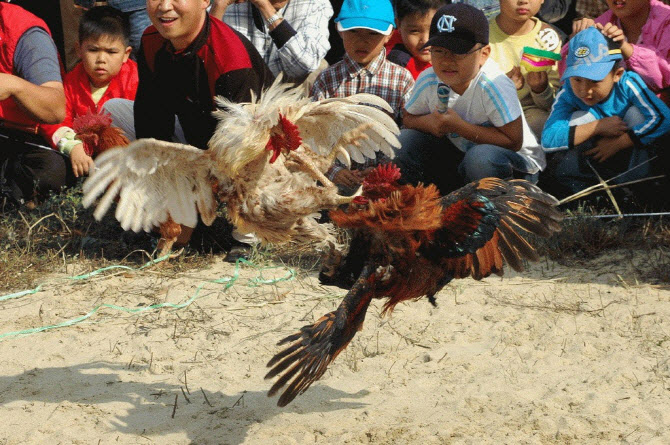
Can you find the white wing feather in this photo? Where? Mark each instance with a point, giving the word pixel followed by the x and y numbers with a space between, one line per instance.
pixel 320 123
pixel 153 179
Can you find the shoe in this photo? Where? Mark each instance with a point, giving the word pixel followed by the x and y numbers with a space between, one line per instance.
pixel 238 252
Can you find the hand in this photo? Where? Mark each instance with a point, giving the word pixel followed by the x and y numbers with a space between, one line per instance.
pixel 443 123
pixel 615 33
pixel 348 178
pixel 611 31
pixel 538 81
pixel 81 162
pixel 580 25
pixel 517 77
pixel 607 147
pixel 219 7
pixel 612 126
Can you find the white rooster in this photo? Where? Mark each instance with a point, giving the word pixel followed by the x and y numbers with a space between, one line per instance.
pixel 266 161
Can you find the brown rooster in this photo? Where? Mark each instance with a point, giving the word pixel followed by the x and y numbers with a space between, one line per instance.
pixel 410 243
pixel 266 161
pixel 96 133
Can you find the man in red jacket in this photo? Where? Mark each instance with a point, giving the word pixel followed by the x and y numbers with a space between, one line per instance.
pixel 31 92
pixel 186 59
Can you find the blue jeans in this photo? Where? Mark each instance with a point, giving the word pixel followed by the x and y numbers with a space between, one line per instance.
pixel 123 117
pixel 431 160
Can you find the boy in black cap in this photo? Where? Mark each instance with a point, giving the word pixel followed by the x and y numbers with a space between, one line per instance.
pixel 464 121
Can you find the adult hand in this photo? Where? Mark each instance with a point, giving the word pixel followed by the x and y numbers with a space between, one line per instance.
pixel 517 77
pixel 612 126
pixel 580 25
pixel 81 162
pixel 538 81
pixel 219 7
pixel 347 178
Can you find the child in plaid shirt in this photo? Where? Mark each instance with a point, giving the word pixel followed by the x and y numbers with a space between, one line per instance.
pixel 365 26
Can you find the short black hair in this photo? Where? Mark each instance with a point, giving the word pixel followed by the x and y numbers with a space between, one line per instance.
pixel 403 8
pixel 104 21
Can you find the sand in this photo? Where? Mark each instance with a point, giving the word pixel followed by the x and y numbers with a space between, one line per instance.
pixel 553 355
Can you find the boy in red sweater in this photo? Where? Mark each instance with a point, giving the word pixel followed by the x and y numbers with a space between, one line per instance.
pixel 105 72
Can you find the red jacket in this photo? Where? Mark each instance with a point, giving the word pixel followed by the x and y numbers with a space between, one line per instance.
pixel 397 53
pixel 14 22
pixel 78 98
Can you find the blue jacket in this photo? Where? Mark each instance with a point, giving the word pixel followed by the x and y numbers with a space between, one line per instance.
pixel 629 91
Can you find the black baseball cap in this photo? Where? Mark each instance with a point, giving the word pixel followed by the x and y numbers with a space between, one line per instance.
pixel 458 27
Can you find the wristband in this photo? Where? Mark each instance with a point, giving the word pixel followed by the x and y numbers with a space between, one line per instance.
pixel 276 17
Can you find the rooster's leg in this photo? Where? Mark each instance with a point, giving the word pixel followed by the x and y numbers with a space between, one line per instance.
pixel 172 234
pixel 351 137
pixel 315 346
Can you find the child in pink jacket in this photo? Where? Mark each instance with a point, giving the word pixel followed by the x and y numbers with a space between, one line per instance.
pixel 643 27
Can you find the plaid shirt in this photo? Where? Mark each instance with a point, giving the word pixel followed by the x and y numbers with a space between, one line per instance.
pixel 301 54
pixel 381 77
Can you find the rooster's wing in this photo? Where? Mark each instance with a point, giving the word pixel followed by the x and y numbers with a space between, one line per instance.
pixel 154 180
pixel 246 126
pixel 486 221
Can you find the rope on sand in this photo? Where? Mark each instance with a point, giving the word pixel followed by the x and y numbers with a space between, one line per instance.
pixel 227 281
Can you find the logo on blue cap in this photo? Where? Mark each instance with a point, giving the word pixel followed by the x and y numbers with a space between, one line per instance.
pixel 582 51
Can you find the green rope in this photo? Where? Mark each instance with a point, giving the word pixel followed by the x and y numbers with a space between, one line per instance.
pixel 84 277
pixel 228 281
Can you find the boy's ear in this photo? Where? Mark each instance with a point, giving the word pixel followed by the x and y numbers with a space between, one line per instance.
pixel 485 52
pixel 388 37
pixel 126 55
pixel 618 73
pixel 77 49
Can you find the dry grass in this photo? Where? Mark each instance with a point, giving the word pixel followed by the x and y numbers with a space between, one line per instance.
pixel 60 232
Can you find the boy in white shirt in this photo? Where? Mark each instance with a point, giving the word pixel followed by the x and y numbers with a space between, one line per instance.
pixel 464 121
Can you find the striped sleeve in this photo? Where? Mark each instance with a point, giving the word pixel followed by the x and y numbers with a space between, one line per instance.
pixel 418 103
pixel 500 99
pixel 656 114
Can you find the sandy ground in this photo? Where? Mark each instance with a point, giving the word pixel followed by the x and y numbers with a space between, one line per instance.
pixel 553 355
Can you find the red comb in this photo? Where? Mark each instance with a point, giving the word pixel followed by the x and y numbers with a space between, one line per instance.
pixel 91 122
pixel 382 174
pixel 289 138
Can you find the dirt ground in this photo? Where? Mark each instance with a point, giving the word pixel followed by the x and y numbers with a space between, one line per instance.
pixel 553 355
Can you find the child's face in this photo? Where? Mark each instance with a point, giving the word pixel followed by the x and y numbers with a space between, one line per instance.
pixel 458 70
pixel 414 30
pixel 179 21
pixel 628 8
pixel 363 45
pixel 519 10
pixel 103 57
pixel 593 92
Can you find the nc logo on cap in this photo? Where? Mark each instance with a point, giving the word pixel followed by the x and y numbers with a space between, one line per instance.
pixel 582 51
pixel 446 23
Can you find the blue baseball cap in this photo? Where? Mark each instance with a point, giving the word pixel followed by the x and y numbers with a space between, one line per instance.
pixel 376 15
pixel 591 55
